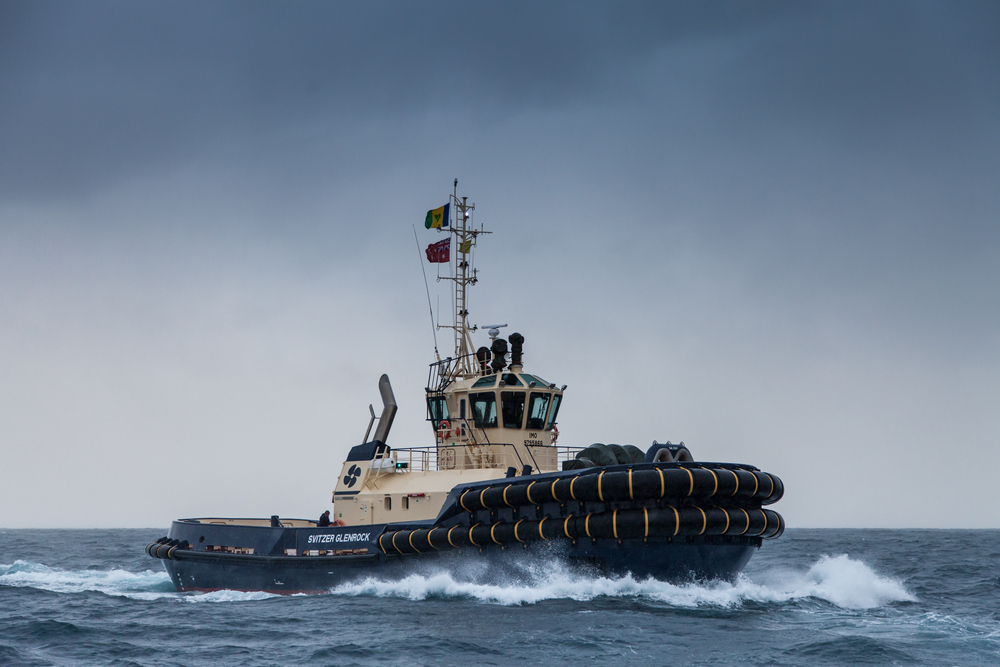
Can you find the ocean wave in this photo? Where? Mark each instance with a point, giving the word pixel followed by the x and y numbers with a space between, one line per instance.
pixel 111 582
pixel 839 580
pixel 146 585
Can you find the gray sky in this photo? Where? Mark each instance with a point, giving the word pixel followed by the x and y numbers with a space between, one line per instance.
pixel 767 229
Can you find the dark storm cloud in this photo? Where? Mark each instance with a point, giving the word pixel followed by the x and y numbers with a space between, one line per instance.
pixel 97 89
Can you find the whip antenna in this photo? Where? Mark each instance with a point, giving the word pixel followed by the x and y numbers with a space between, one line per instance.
pixel 430 309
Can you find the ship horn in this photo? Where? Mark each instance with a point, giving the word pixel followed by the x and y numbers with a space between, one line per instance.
pixel 388 411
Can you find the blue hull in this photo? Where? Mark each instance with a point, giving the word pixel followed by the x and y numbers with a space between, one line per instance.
pixel 194 570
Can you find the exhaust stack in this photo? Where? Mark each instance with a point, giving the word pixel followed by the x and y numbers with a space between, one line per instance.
pixel 388 409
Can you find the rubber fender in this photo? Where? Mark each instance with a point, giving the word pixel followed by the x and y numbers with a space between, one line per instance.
pixel 779 490
pixel 688 481
pixel 770 488
pixel 150 547
pixel 180 545
pixel 658 453
pixel 577 464
pixel 599 454
pixel 637 454
pixel 161 551
pixel 657 522
pixel 621 456
pixel 683 455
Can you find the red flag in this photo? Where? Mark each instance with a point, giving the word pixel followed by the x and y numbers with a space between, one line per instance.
pixel 439 252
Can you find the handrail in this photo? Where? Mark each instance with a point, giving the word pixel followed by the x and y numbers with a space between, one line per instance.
pixel 421 459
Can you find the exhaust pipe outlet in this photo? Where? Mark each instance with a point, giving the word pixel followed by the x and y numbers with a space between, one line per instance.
pixel 388 410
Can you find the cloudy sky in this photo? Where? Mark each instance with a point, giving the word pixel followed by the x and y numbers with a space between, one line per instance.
pixel 768 229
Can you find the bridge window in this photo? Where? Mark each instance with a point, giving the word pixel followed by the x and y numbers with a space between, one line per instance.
pixel 556 399
pixel 512 404
pixel 437 408
pixel 484 409
pixel 511 380
pixel 538 405
pixel 488 381
pixel 539 382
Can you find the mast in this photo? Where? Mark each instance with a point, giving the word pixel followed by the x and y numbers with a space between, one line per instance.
pixel 464 276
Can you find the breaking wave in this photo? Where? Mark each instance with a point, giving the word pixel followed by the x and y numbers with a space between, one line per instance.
pixel 838 580
pixel 147 585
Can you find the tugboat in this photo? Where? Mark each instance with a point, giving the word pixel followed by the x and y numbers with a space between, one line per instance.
pixel 493 484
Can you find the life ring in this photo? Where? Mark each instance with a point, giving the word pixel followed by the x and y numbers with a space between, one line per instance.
pixel 555 434
pixel 444 428
pixel 338 522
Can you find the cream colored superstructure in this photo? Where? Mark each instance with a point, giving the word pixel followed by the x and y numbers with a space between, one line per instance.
pixel 411 484
pixel 490 420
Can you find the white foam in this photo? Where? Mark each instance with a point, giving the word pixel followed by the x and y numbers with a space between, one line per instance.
pixel 838 580
pixel 111 582
pixel 230 596
pixel 844 582
pixel 147 585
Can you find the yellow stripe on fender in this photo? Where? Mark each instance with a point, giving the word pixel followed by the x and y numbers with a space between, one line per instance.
pixel 571 483
pixel 726 529
pixel 449 536
pixel 763 514
pixel 470 536
pixel 630 495
pixel 600 491
pixel 429 532
pixel 515 530
pixel 529 493
pixel 663 483
pixel 461 501
pixel 410 540
pixel 586 526
pixel 704 520
pixel 736 490
pixel 540 523
pixel 481 495
pixel 677 520
pixel 554 496
pixel 505 501
pixel 716 478
pixel 614 523
pixel 748 521
pixel 691 490
pixel 645 516
pixel 394 543
pixel 566 526
pixel 492 536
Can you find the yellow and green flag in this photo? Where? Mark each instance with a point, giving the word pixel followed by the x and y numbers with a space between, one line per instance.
pixel 437 217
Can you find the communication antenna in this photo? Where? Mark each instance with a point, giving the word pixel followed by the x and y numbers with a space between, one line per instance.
pixel 464 276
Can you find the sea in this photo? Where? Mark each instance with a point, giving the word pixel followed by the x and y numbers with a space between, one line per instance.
pixel 811 597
